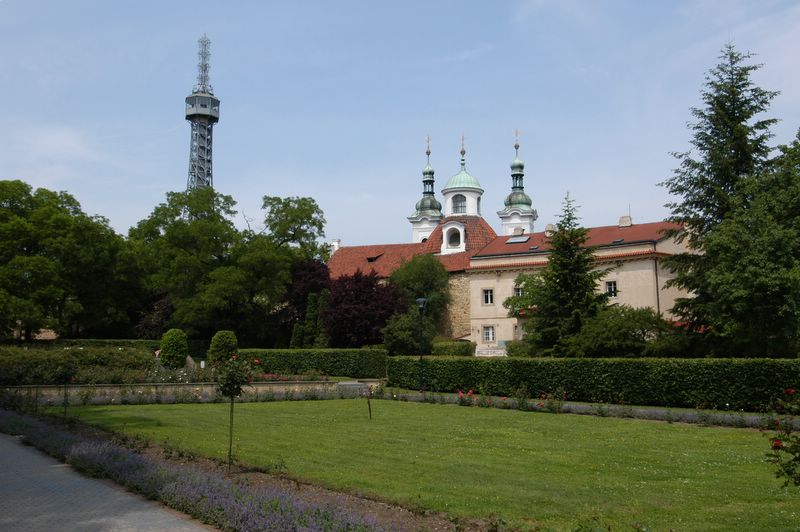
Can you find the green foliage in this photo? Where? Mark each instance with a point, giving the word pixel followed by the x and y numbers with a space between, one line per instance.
pixel 752 272
pixel 233 373
pixel 741 271
pixel 401 336
pixel 356 363
pixel 59 267
pixel 557 301
pixel 425 276
pixel 297 222
pixel 174 348
pixel 518 348
pixel 620 331
pixel 223 345
pixel 453 348
pixel 31 366
pixel 751 384
pixel 785 442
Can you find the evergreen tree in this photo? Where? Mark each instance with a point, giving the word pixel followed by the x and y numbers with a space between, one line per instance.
pixel 322 340
pixel 557 301
pixel 752 274
pixel 425 276
pixel 729 147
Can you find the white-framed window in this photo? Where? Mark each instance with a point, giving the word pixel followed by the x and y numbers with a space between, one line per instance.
pixel 453 238
pixel 611 288
pixel 488 334
pixel 488 296
pixel 518 292
pixel 459 204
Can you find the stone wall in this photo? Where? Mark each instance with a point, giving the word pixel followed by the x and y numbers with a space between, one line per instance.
pixel 457 323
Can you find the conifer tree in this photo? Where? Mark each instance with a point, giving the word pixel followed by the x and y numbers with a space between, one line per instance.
pixel 729 146
pixel 557 301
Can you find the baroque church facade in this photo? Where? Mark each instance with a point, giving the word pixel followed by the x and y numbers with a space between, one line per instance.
pixel 483 266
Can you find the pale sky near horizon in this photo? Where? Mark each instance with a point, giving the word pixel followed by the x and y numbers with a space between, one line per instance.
pixel 334 100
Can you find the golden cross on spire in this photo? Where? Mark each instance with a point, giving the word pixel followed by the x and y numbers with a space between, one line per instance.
pixel 516 141
pixel 428 142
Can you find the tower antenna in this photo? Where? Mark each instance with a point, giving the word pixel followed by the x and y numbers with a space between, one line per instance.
pixel 202 112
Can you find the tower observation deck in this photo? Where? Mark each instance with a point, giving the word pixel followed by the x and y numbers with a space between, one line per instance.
pixel 202 112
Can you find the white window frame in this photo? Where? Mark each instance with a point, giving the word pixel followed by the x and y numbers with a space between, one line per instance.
pixel 518 291
pixel 611 289
pixel 488 334
pixel 488 296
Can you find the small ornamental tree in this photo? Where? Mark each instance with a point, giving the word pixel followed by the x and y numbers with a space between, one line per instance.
pixel 174 348
pixel 232 374
pixel 223 345
pixel 401 334
pixel 785 442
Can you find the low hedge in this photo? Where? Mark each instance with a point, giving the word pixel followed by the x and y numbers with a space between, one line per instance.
pixel 749 384
pixel 20 366
pixel 356 363
pixel 453 348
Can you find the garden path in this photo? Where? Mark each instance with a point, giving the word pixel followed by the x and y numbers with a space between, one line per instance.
pixel 38 493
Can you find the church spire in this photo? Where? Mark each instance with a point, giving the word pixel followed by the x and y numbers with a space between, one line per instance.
pixel 518 215
pixel 428 210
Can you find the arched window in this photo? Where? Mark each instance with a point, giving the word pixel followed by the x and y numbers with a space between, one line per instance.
pixel 453 238
pixel 459 204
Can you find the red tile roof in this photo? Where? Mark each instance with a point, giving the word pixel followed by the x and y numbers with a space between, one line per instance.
pixel 611 235
pixel 482 241
pixel 383 259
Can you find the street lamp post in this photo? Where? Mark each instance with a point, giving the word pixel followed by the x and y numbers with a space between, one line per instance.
pixel 421 302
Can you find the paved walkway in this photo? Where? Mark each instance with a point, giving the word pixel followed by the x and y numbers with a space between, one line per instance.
pixel 38 493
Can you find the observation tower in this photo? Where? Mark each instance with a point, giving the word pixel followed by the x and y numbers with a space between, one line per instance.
pixel 202 112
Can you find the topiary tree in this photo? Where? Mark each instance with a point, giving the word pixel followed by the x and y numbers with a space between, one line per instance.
pixel 233 373
pixel 223 345
pixel 174 348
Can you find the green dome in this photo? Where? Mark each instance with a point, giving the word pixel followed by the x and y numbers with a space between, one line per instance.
pixel 517 165
pixel 463 179
pixel 518 199
pixel 429 203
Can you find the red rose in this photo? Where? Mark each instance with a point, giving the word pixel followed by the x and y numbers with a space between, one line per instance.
pixel 540 405
pixel 776 444
pixel 257 362
pixel 790 391
pixel 460 393
pixel 469 392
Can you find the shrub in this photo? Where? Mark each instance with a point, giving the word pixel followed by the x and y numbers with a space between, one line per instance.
pixel 749 384
pixel 618 330
pixel 356 363
pixel 401 334
pixel 223 345
pixel 174 348
pixel 518 348
pixel 459 348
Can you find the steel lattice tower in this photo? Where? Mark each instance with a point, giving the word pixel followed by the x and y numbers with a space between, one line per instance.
pixel 202 111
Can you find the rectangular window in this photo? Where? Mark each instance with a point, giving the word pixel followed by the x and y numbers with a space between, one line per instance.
pixel 518 291
pixel 611 288
pixel 488 296
pixel 488 334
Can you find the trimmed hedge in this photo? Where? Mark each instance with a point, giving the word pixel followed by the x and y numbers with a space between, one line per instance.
pixel 20 366
pixel 750 384
pixel 356 363
pixel 454 348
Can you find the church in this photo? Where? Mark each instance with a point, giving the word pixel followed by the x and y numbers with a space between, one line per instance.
pixel 483 266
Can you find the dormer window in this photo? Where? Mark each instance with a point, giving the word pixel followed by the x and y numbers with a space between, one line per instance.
pixel 459 204
pixel 454 238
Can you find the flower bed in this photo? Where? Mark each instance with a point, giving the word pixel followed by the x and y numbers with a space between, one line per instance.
pixel 220 502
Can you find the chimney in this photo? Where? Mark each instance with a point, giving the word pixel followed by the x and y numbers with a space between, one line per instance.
pixel 335 245
pixel 625 221
pixel 549 230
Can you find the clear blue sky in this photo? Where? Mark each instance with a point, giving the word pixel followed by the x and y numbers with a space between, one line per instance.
pixel 334 99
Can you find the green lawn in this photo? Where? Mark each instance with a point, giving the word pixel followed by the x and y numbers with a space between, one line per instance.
pixel 530 469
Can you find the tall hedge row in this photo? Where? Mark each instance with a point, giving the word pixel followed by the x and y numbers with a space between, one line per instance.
pixel 357 363
pixel 709 383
